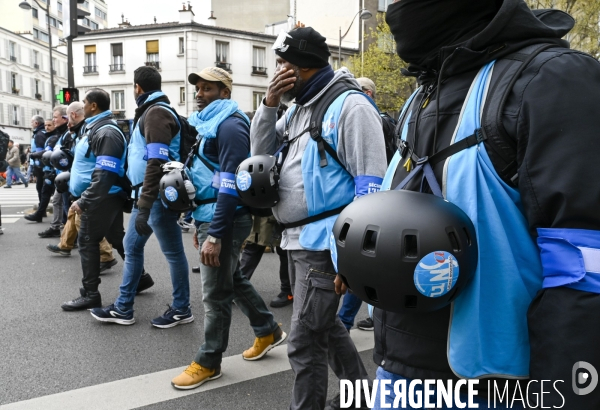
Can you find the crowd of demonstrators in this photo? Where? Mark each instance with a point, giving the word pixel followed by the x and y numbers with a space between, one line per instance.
pixel 304 75
pixel 221 227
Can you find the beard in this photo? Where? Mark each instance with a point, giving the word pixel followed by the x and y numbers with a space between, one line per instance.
pixel 290 95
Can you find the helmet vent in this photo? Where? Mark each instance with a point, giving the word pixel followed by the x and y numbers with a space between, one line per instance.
pixel 260 168
pixel 468 236
pixel 250 168
pixel 252 192
pixel 344 232
pixel 410 301
pixel 410 246
pixel 371 294
pixel 454 242
pixel 370 242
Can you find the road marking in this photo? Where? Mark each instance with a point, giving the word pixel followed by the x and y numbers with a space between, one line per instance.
pixel 156 387
pixel 9 220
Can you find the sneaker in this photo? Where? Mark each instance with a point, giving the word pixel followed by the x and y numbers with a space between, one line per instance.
pixel 87 300
pixel 33 217
pixel 50 233
pixel 7 186
pixel 283 299
pixel 185 226
pixel 263 344
pixel 145 282
pixel 1 231
pixel 366 324
pixel 112 314
pixel 26 184
pixel 173 317
pixel 107 265
pixel 60 251
pixel 195 376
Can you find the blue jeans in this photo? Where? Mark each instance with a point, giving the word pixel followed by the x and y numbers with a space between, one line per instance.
pixel 389 398
pixel 350 307
pixel 223 284
pixel 164 224
pixel 14 170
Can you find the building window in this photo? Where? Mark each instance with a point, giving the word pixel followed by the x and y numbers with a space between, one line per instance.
pixel 59 6
pixel 181 46
pixel 15 115
pixel 34 13
pixel 36 59
pixel 38 90
pixel 182 95
pixel 90 59
pixel 257 100
pixel 259 65
pixel 101 14
pixel 12 51
pixel 152 57
pixel 89 23
pixel 14 83
pixel 335 62
pixel 222 49
pixel 53 22
pixel 86 4
pixel 117 57
pixel 40 35
pixel 118 100
pixel 383 5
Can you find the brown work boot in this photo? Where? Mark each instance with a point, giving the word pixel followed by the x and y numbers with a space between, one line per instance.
pixel 195 376
pixel 263 344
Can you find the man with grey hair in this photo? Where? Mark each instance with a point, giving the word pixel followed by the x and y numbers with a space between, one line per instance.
pixel 59 200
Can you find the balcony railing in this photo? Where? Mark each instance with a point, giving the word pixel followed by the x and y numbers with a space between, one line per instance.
pixel 15 90
pixel 13 58
pixel 117 67
pixel 38 96
pixel 36 66
pixel 155 64
pixel 223 65
pixel 89 69
pixel 259 70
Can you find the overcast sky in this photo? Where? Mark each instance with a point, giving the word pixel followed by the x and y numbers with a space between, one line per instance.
pixel 143 11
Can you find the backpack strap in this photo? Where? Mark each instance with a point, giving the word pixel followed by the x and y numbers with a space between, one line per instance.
pixel 100 124
pixel 502 147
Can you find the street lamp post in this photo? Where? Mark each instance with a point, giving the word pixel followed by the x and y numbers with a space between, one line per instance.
pixel 364 15
pixel 26 6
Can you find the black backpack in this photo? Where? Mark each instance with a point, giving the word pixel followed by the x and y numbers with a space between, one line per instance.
pixel 187 132
pixel 4 137
pixel 389 135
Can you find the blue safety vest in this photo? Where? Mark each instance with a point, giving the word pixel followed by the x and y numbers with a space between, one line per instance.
pixel 330 187
pixel 139 152
pixel 209 182
pixel 58 145
pixel 85 162
pixel 488 334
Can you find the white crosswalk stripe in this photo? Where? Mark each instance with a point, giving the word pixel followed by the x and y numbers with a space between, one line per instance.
pixel 15 200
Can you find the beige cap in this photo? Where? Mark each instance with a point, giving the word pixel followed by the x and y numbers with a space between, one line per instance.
pixel 366 84
pixel 212 74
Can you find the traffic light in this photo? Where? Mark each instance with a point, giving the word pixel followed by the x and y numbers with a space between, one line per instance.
pixel 70 95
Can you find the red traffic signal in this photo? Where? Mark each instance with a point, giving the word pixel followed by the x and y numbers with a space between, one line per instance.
pixel 70 95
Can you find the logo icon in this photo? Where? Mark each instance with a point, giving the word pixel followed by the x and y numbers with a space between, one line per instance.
pixel 243 180
pixel 436 274
pixel 64 162
pixel 585 378
pixel 171 194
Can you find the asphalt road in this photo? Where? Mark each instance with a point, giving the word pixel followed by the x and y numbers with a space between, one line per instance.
pixel 47 354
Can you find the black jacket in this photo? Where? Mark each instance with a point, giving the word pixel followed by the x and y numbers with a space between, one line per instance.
pixel 108 142
pixel 551 115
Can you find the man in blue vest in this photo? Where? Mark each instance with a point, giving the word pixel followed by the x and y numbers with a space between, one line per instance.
pixel 37 144
pixel 311 196
pixel 154 141
pixel 97 170
pixel 531 311
pixel 222 224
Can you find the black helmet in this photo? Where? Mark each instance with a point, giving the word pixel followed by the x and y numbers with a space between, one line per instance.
pixel 257 181
pixel 405 251
pixel 176 190
pixel 62 182
pixel 61 160
pixel 46 158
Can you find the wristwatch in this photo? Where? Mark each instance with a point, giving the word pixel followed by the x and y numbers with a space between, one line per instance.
pixel 212 239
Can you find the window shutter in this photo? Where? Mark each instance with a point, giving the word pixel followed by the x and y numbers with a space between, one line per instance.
pixel 9 118
pixel 8 82
pixel 117 49
pixel 90 49
pixel 31 58
pixel 22 119
pixel 32 82
pixel 43 90
pixel 2 114
pixel 21 84
pixel 6 49
pixel 19 54
pixel 152 47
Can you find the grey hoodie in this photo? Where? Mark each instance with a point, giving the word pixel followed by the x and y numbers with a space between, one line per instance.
pixel 361 149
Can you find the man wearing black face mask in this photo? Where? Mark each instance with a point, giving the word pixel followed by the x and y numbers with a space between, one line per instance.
pixel 496 74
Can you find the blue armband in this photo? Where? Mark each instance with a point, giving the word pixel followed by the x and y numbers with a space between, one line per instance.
pixel 367 184
pixel 570 258
pixel 107 163
pixel 228 184
pixel 157 150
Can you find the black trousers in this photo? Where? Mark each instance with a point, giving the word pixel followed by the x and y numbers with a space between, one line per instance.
pixel 45 197
pixel 251 256
pixel 38 173
pixel 564 330
pixel 104 221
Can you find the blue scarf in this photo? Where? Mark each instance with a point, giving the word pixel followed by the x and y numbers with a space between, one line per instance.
pixel 208 120
pixel 142 98
pixel 315 84
pixel 95 118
